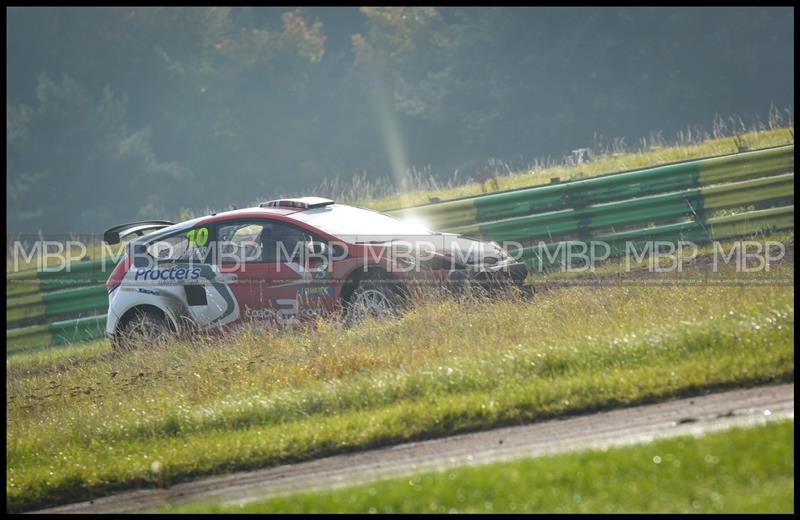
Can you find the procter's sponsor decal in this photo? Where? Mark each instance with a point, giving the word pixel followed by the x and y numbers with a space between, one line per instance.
pixel 173 273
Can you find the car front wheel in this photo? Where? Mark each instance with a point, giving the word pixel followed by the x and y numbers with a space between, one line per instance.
pixel 374 298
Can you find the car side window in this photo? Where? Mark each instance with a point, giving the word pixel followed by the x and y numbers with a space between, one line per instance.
pixel 261 241
pixel 239 242
pixel 283 243
pixel 169 249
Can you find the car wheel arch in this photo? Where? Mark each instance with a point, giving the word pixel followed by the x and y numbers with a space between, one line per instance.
pixel 356 275
pixel 131 313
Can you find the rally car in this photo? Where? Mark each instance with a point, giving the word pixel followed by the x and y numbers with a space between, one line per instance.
pixel 286 261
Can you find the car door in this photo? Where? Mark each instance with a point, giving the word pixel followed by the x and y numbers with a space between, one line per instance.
pixel 267 285
pixel 302 277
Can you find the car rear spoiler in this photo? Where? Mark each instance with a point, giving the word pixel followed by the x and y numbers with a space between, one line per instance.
pixel 113 235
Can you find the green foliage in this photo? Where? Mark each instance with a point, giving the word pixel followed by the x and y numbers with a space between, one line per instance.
pixel 160 108
pixel 88 150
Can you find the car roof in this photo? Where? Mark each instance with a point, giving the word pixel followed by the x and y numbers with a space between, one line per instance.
pixel 283 213
pixel 254 212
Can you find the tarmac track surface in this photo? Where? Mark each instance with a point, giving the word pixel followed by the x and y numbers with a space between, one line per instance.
pixel 639 424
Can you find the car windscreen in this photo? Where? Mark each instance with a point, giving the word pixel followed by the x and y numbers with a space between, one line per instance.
pixel 172 243
pixel 357 224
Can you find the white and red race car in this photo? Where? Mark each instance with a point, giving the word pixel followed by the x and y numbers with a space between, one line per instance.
pixel 285 261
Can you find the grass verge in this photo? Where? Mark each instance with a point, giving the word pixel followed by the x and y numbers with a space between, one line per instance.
pixel 657 153
pixel 738 471
pixel 87 421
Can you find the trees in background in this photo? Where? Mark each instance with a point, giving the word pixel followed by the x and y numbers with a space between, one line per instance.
pixel 124 113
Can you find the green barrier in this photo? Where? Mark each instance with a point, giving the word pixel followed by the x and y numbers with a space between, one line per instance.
pixel 762 222
pixel 581 222
pixel 75 331
pixel 76 300
pixel 747 165
pixel 24 308
pixel 752 222
pixel 80 274
pixel 57 333
pixel 749 192
pixel 765 221
pixel 42 306
pixel 597 190
pixel 18 276
pixel 27 337
pixel 41 295
pixel 22 287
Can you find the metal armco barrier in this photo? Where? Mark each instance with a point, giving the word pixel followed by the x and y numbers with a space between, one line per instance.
pixel 57 333
pixel 608 188
pixel 641 210
pixel 79 274
pixel 698 232
pixel 52 304
pixel 668 203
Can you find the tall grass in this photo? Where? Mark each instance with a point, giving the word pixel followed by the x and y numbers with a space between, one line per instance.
pixel 88 420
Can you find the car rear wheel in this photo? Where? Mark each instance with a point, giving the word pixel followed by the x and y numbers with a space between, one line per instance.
pixel 146 327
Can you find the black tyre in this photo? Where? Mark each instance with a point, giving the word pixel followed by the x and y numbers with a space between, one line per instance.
pixel 378 298
pixel 147 327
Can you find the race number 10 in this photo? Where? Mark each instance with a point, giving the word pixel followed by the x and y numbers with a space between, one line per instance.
pixel 198 237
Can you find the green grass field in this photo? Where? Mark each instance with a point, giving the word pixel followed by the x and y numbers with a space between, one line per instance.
pixel 738 471
pixel 83 420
